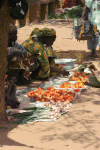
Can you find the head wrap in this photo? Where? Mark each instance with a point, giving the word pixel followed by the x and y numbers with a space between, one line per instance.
pixel 48 31
pixel 42 32
pixel 12 28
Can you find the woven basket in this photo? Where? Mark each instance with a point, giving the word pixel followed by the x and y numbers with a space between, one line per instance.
pixel 75 54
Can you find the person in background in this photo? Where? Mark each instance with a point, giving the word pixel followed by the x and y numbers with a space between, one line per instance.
pixel 93 41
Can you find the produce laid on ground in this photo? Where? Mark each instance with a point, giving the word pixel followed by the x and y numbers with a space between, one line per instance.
pixel 53 101
pixel 57 100
pixel 57 107
pixel 77 85
pixel 51 94
pixel 79 76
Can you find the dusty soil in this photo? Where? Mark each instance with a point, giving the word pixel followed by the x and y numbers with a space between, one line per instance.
pixel 78 129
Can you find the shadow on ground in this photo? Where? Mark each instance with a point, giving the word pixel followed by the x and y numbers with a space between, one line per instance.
pixel 78 126
pixel 87 58
pixel 5 128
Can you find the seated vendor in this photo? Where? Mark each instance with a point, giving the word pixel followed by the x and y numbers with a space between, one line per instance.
pixel 50 37
pixel 19 61
pixel 35 45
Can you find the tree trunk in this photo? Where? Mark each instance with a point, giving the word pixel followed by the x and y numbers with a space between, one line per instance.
pixel 4 30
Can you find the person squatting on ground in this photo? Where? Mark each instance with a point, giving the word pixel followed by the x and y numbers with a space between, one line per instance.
pixel 19 60
pixel 39 43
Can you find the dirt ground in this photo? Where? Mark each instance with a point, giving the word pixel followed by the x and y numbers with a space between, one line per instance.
pixel 78 129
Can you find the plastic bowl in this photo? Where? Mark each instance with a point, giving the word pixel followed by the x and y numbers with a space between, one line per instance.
pixel 69 63
pixel 68 67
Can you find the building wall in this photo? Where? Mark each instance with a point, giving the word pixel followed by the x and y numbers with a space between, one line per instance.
pixel 51 7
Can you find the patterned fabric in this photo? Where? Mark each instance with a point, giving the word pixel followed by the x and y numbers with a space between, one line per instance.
pixel 24 62
pixel 52 54
pixel 19 47
pixel 12 28
pixel 42 32
pixel 49 32
pixel 40 51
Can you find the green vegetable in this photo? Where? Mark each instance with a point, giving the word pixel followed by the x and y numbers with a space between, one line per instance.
pixel 83 66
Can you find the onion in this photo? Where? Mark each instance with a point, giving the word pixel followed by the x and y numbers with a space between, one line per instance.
pixel 70 104
pixel 50 105
pixel 59 109
pixel 56 114
pixel 52 102
pixel 46 104
pixel 65 103
pixel 52 113
pixel 56 110
pixel 59 105
pixel 59 102
pixel 53 107
pixel 56 104
pixel 51 117
pixel 64 109
pixel 67 107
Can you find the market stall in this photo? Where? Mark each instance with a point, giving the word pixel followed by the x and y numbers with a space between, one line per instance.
pixel 54 98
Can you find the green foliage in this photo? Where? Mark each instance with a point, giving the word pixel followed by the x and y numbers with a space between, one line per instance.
pixel 71 14
pixel 63 15
pixel 75 13
pixel 53 16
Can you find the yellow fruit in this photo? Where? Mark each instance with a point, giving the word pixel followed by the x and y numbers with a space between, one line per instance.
pixel 8 107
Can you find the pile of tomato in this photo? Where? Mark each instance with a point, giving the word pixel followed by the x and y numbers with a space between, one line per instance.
pixel 51 94
pixel 78 76
pixel 75 85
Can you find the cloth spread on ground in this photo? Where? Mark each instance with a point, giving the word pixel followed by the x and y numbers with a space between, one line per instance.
pixel 36 111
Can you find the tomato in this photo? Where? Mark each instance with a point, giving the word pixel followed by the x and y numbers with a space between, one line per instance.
pixel 6 76
pixel 42 100
pixel 76 90
pixel 29 95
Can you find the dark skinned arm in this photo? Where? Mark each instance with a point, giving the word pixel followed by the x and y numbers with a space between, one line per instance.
pixel 58 70
pixel 85 12
pixel 64 72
